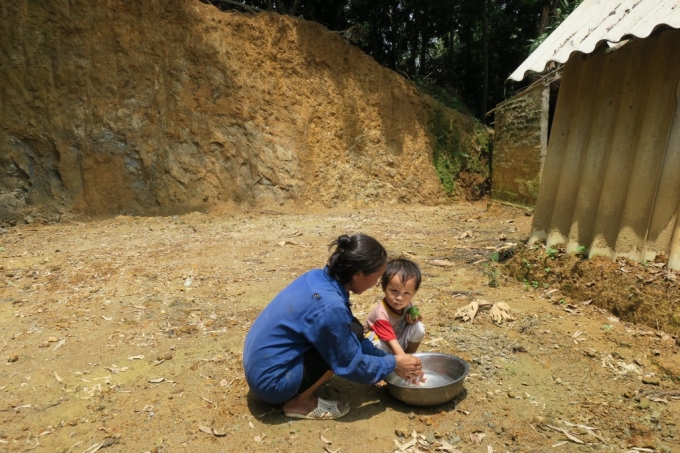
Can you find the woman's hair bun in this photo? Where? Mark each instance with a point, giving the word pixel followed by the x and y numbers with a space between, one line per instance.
pixel 343 241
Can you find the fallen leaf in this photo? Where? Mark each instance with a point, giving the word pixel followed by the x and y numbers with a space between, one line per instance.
pixel 157 380
pixel 205 429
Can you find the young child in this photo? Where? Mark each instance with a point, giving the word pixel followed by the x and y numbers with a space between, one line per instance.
pixel 389 325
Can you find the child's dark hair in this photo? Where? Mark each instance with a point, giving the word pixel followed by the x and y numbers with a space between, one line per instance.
pixel 356 253
pixel 405 269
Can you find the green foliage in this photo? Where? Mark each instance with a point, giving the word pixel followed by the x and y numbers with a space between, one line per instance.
pixel 454 153
pixel 559 14
pixel 582 251
pixel 491 273
pixel 552 252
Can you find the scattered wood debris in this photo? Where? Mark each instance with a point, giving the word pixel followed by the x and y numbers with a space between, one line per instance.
pixel 499 311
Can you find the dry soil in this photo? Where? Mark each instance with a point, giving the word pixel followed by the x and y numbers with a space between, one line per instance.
pixel 125 335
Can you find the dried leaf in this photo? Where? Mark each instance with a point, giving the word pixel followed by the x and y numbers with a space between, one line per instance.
pixel 466 234
pixel 324 440
pixel 205 429
pixel 500 312
pixel 468 312
pixel 157 380
pixel 441 263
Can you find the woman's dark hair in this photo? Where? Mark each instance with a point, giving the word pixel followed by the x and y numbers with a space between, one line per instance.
pixel 405 269
pixel 356 253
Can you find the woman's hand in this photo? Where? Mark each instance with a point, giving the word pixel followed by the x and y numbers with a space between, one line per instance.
pixel 408 367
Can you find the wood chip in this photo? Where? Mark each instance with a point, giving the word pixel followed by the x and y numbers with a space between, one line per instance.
pixel 157 380
pixel 205 429
pixel 94 447
pixel 59 345
pixel 570 436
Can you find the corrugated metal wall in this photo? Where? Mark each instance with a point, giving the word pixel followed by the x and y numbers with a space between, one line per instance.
pixel 611 178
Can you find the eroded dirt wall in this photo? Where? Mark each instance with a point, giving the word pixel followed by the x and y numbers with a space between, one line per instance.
pixel 157 107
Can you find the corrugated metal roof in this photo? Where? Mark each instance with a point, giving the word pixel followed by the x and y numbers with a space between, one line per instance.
pixel 597 21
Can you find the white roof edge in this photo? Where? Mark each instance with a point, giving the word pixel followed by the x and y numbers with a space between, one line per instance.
pixel 598 21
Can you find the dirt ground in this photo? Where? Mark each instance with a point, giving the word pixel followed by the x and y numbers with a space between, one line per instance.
pixel 125 335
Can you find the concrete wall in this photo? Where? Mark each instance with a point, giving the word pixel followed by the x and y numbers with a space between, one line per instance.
pixel 519 146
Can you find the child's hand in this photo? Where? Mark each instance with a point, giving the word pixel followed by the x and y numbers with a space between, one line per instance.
pixel 413 315
pixel 410 320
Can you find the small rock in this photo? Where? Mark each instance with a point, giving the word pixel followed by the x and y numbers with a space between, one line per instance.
pixel 644 403
pixel 13 358
pixel 629 394
pixel 498 430
pixel 651 380
pixel 411 415
pixel 677 341
pixel 400 432
pixel 453 440
pixel 656 352
pixel 590 354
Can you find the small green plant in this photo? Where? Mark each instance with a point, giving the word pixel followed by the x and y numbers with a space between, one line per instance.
pixel 526 263
pixel 495 257
pixel 526 284
pixel 562 301
pixel 534 284
pixel 547 270
pixel 582 251
pixel 546 285
pixel 491 274
pixel 552 252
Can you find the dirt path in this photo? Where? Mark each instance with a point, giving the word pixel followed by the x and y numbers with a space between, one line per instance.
pixel 125 334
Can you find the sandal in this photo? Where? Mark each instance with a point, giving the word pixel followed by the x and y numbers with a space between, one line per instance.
pixel 325 410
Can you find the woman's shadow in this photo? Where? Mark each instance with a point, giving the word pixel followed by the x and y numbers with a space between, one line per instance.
pixel 365 401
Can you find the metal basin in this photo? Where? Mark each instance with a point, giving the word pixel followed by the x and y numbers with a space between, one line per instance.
pixel 444 373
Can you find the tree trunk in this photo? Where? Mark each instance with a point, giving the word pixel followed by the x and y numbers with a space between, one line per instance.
pixel 485 63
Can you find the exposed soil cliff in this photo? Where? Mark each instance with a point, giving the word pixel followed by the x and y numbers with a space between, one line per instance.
pixel 159 107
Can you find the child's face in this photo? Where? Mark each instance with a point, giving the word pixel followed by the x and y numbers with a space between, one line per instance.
pixel 398 295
